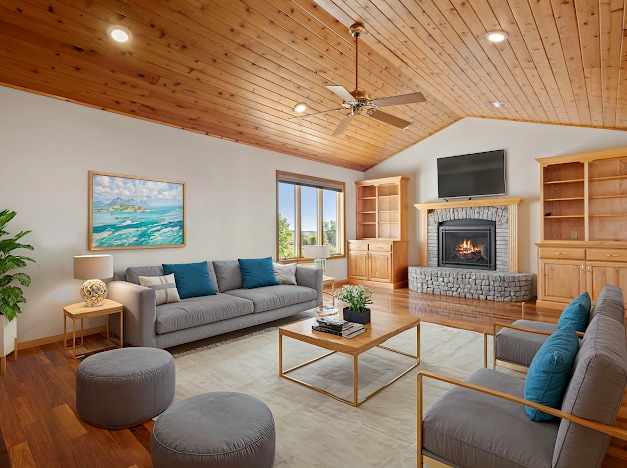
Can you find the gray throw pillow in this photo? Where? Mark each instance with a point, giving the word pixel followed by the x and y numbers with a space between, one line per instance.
pixel 285 274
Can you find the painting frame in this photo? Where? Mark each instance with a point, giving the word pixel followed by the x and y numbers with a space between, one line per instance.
pixel 135 212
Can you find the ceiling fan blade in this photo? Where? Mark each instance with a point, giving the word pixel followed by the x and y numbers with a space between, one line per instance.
pixel 342 92
pixel 390 119
pixel 343 124
pixel 315 113
pixel 402 99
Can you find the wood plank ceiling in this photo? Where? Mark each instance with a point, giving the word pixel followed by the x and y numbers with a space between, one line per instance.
pixel 235 69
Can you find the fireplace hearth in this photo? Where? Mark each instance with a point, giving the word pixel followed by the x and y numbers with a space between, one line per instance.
pixel 467 243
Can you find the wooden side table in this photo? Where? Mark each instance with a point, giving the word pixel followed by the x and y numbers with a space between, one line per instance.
pixel 81 311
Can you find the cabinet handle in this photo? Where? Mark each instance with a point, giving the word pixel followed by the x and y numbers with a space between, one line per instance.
pixel 589 268
pixel 582 267
pixel 612 255
pixel 562 253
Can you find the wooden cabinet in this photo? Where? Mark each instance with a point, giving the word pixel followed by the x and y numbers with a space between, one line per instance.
pixel 381 263
pixel 378 257
pixel 584 225
pixel 382 208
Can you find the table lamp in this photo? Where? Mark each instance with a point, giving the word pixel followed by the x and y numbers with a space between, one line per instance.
pixel 93 268
pixel 319 253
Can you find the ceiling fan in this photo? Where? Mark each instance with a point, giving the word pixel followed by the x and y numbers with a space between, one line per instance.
pixel 361 102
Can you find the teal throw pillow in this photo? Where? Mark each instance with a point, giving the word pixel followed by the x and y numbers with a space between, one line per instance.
pixel 577 313
pixel 257 272
pixel 192 279
pixel 549 372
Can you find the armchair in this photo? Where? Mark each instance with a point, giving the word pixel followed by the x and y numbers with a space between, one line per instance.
pixel 482 422
pixel 516 344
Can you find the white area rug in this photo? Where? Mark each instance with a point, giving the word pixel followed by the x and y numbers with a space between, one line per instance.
pixel 314 430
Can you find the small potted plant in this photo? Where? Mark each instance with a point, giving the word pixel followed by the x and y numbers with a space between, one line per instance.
pixel 357 297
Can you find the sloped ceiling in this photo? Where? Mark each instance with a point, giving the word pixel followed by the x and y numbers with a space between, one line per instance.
pixel 235 69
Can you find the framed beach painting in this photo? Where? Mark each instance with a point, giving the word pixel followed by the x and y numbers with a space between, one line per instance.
pixel 129 212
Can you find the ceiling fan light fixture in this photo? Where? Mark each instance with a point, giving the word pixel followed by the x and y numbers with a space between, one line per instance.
pixel 300 107
pixel 119 33
pixel 496 36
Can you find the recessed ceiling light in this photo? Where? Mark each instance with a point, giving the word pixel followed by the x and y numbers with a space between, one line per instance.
pixel 119 33
pixel 496 36
pixel 499 104
pixel 300 107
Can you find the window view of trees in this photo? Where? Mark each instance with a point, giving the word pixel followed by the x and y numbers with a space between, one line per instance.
pixel 307 216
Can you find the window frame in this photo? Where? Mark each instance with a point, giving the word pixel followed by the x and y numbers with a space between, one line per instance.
pixel 299 180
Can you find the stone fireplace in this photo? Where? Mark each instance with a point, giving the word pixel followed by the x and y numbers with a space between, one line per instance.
pixel 481 260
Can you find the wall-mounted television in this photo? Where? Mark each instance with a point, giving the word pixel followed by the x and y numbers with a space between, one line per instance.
pixel 472 175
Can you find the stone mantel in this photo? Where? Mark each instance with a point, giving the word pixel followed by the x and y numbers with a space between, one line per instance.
pixel 510 203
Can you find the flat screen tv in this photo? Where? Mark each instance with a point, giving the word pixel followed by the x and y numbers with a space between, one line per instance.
pixel 472 175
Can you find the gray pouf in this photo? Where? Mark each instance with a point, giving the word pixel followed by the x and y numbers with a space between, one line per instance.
pixel 124 387
pixel 218 429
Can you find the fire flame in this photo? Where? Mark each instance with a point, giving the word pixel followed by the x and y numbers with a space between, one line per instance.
pixel 467 248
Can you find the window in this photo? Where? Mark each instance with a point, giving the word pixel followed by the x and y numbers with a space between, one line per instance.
pixel 310 211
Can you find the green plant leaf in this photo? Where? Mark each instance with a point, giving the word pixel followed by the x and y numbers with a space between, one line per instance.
pixel 11 295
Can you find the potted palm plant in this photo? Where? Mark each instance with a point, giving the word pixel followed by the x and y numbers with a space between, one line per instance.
pixel 357 297
pixel 11 282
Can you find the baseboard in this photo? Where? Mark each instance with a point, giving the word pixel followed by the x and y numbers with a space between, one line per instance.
pixel 57 338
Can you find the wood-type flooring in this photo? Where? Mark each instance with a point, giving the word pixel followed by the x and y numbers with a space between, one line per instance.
pixel 39 426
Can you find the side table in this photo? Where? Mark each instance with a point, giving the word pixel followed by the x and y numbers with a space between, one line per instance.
pixel 81 311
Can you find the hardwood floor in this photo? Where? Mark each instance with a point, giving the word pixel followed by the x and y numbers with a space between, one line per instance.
pixel 39 426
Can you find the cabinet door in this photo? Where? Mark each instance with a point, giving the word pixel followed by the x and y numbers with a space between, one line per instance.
pixel 358 264
pixel 560 280
pixel 381 267
pixel 601 273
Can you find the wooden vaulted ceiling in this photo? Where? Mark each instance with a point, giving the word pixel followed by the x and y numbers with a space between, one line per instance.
pixel 235 69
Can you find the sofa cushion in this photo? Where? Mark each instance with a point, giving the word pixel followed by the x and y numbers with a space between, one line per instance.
pixel 550 370
pixel 576 313
pixel 133 273
pixel 285 274
pixel 200 310
pixel 610 303
pixel 594 392
pixel 274 297
pixel 520 347
pixel 228 274
pixel 164 286
pixel 475 429
pixel 257 272
pixel 192 279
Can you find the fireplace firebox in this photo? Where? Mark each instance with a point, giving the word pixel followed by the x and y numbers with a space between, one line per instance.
pixel 467 243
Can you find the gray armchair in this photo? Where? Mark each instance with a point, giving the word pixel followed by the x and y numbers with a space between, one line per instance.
pixel 482 422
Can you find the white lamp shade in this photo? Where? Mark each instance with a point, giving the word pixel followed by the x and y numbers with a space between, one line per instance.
pixel 93 267
pixel 317 251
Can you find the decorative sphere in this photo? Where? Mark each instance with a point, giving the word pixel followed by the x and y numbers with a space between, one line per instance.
pixel 94 291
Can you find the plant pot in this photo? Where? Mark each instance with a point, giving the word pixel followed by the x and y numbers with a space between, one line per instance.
pixel 8 337
pixel 8 334
pixel 356 317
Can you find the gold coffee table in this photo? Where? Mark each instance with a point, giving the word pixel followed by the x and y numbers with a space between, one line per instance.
pixel 382 327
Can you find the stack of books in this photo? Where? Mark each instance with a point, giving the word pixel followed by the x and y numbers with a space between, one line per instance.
pixel 339 327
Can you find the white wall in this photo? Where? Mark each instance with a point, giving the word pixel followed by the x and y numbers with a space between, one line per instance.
pixel 47 148
pixel 523 143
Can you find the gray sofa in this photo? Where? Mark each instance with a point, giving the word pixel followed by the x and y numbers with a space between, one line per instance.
pixel 473 425
pixel 195 318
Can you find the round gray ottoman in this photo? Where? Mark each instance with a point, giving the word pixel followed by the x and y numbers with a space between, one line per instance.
pixel 218 429
pixel 124 387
